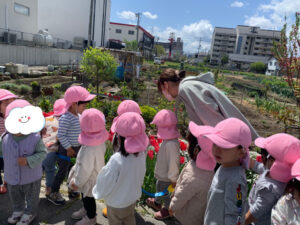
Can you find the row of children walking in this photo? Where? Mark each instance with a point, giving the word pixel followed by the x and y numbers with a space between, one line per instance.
pixel 201 196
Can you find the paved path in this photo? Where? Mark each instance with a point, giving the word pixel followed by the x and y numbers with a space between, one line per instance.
pixel 59 215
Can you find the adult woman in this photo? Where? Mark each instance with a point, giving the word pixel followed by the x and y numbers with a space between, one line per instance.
pixel 205 104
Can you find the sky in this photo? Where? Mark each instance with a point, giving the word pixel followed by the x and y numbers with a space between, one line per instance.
pixel 195 19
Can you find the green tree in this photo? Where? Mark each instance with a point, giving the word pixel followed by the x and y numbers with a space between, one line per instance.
pixel 98 64
pixel 159 50
pixel 258 67
pixel 224 59
pixel 131 45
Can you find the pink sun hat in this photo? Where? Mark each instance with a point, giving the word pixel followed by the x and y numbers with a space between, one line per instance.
pixel 166 123
pixel 5 94
pixel 59 107
pixel 296 170
pixel 132 127
pixel 205 159
pixel 92 126
pixel 19 103
pixel 281 171
pixel 125 106
pixel 283 147
pixel 76 94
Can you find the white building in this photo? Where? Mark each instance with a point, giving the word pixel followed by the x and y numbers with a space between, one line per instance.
pixel 67 19
pixel 19 15
pixel 273 67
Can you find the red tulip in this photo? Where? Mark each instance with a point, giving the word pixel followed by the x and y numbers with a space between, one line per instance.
pixel 111 136
pixel 181 160
pixel 151 154
pixel 159 140
pixel 259 159
pixel 183 145
pixel 156 147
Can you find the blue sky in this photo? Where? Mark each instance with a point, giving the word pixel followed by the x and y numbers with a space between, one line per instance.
pixel 192 19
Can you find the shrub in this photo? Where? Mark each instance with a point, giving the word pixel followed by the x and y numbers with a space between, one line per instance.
pixel 45 105
pixel 258 67
pixel 252 94
pixel 34 83
pixel 24 89
pixel 148 113
pixel 9 86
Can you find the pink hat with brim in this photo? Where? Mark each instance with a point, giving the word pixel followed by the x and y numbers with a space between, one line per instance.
pixel 5 94
pixel 283 147
pixel 296 170
pixel 92 124
pixel 166 123
pixel 132 127
pixel 281 171
pixel 125 106
pixel 19 103
pixel 205 159
pixel 76 94
pixel 59 107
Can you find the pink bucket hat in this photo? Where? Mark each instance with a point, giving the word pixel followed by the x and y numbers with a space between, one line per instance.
pixel 92 126
pixel 19 103
pixel 205 159
pixel 166 122
pixel 59 107
pixel 132 126
pixel 75 94
pixel 296 170
pixel 125 106
pixel 283 147
pixel 281 171
pixel 5 94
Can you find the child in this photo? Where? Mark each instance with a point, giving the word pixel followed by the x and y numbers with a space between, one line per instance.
pixel 50 141
pixel 23 156
pixel 226 200
pixel 6 97
pixel 89 162
pixel 190 197
pixel 76 98
pixel 120 182
pixel 287 209
pixel 167 164
pixel 271 184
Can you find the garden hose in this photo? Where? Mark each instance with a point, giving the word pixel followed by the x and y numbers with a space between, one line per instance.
pixel 168 190
pixel 66 158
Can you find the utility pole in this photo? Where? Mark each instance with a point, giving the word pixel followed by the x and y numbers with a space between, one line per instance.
pixel 138 15
pixel 171 39
pixel 90 22
pixel 199 46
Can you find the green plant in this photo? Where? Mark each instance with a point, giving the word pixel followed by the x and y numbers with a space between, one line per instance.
pixel 45 105
pixel 57 86
pixel 9 86
pixel 252 94
pixel 258 67
pixel 131 45
pixel 34 84
pixel 148 113
pixel 24 89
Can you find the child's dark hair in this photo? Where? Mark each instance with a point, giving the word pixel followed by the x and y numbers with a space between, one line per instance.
pixel 193 143
pixel 292 185
pixel 120 141
pixel 170 74
pixel 82 102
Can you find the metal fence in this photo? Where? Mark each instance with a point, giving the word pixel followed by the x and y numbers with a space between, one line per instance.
pixel 13 37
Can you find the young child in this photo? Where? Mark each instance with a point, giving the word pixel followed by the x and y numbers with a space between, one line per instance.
pixel 167 164
pixel 271 184
pixel 190 196
pixel 287 209
pixel 6 97
pixel 23 156
pixel 120 182
pixel 226 202
pixel 89 162
pixel 51 142
pixel 76 98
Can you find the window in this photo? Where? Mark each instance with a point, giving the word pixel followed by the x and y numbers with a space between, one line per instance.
pixel 131 32
pixel 118 31
pixel 270 63
pixel 22 9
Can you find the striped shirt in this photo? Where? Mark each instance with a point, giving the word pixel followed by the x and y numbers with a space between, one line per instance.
pixel 2 126
pixel 68 130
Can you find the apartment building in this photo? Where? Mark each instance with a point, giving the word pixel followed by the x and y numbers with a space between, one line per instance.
pixel 243 45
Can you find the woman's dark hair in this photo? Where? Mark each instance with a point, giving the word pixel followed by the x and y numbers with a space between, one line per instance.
pixel 193 143
pixel 170 75
pixel 292 185
pixel 119 141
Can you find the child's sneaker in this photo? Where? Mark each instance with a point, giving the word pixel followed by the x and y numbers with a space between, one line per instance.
pixel 162 214
pixel 26 219
pixel 56 198
pixel 152 204
pixel 73 194
pixel 15 217
pixel 79 214
pixel 87 221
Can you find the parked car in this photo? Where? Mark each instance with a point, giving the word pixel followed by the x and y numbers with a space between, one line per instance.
pixel 157 60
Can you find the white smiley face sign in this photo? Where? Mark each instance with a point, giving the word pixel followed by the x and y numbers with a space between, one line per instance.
pixel 26 120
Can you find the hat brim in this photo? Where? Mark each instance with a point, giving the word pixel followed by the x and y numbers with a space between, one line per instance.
pixel 113 125
pixel 219 141
pixel 197 130
pixel 8 97
pixel 260 142
pixel 93 140
pixel 137 143
pixel 168 133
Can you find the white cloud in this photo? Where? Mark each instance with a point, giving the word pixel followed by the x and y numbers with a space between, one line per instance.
pixel 259 21
pixel 149 15
pixel 237 4
pixel 128 15
pixel 25 120
pixel 190 34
